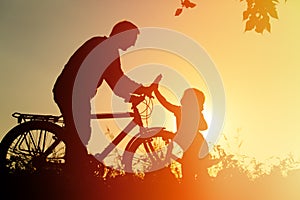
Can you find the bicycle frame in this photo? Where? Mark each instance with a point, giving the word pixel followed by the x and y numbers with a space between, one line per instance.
pixel 39 128
pixel 136 121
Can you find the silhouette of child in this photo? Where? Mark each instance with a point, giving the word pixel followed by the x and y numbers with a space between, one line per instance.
pixel 188 144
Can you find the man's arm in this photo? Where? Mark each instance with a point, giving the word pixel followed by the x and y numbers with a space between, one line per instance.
pixel 121 84
pixel 125 87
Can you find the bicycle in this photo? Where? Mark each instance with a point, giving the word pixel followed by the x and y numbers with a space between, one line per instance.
pixel 37 143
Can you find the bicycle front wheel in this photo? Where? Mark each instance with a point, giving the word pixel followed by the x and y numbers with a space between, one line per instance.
pixel 147 154
pixel 31 147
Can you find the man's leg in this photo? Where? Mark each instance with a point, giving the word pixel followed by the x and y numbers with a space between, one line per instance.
pixel 75 150
pixel 80 137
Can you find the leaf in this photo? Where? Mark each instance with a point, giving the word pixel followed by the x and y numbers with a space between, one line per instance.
pixel 246 14
pixel 268 27
pixel 260 26
pixel 188 4
pixel 259 29
pixel 273 13
pixel 178 12
pixel 192 5
pixel 249 25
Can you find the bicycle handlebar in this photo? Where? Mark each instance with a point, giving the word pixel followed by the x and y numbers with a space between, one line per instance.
pixel 137 99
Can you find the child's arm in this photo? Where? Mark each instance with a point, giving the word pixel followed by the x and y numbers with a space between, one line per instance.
pixel 172 108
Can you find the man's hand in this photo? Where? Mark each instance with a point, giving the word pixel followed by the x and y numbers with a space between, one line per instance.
pixel 148 90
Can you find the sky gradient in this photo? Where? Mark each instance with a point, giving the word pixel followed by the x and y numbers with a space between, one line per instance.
pixel 260 73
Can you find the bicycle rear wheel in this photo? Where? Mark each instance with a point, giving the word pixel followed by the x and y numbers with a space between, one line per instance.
pixel 149 154
pixel 32 147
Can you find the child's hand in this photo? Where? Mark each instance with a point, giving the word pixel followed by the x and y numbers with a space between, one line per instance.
pixel 157 79
pixel 154 85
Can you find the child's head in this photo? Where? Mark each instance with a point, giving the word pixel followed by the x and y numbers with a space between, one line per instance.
pixel 193 100
pixel 192 94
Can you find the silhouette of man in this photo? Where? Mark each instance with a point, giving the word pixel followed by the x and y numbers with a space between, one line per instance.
pixel 124 35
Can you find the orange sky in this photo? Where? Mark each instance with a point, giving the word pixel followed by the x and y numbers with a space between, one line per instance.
pixel 260 73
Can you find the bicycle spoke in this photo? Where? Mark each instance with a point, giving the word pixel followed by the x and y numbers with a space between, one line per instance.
pixel 39 139
pixel 33 146
pixel 16 144
pixel 150 153
pixel 33 142
pixel 17 157
pixel 42 140
pixel 18 152
pixel 57 153
pixel 26 143
pixel 15 148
